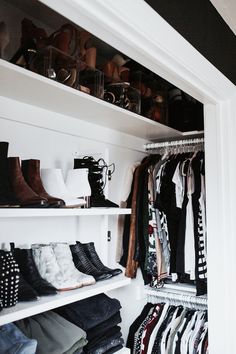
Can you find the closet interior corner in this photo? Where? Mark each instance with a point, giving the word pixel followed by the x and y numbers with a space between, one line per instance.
pixel 102 196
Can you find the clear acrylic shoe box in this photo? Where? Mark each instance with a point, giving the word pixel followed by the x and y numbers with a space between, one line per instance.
pixel 123 95
pixel 71 71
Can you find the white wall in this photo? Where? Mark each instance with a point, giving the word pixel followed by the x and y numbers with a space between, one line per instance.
pixel 56 149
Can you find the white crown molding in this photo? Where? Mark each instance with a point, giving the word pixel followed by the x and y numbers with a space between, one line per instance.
pixel 227 10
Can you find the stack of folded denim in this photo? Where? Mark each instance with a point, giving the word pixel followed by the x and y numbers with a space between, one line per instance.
pixel 99 316
pixel 12 340
pixel 54 334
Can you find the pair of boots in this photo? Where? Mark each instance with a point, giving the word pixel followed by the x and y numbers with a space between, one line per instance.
pixel 76 186
pixel 55 264
pixel 87 260
pixel 22 185
pixel 95 177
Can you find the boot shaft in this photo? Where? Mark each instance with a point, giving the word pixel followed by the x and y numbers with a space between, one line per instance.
pixel 31 170
pixel 83 263
pixel 3 149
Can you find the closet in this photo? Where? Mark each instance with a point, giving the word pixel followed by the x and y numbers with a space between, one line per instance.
pixel 38 115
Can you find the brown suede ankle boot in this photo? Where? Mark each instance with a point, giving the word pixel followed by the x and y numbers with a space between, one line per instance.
pixel 26 196
pixel 31 173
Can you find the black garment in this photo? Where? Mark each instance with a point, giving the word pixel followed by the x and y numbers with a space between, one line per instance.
pixel 103 345
pixel 142 212
pixel 142 222
pixel 188 317
pixel 103 327
pixel 164 324
pixel 90 312
pixel 201 284
pixel 136 324
pixel 166 202
pixel 112 331
pixel 114 349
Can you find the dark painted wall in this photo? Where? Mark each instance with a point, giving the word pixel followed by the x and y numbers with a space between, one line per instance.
pixel 201 25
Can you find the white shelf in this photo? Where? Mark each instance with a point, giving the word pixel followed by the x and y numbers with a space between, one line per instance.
pixel 25 86
pixel 50 212
pixel 46 303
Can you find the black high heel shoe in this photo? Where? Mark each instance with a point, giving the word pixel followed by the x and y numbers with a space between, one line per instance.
pixel 24 55
pixel 32 40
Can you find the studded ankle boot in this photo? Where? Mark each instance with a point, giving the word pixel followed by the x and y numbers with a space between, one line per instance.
pixel 9 279
pixel 90 251
pixel 83 264
pixel 95 177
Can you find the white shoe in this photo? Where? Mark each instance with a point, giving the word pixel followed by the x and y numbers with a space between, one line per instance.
pixel 54 184
pixel 50 270
pixel 77 183
pixel 65 261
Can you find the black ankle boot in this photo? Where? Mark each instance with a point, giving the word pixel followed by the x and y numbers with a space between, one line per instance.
pixel 25 260
pixel 92 255
pixel 95 177
pixel 9 279
pixel 84 265
pixel 26 292
pixel 7 198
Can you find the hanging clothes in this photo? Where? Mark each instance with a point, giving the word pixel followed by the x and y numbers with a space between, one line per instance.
pixel 169 329
pixel 166 233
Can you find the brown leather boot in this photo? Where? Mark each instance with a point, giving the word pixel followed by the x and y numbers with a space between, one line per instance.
pixel 26 196
pixel 31 173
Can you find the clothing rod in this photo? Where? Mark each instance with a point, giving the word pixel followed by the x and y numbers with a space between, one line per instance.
pixel 177 297
pixel 182 142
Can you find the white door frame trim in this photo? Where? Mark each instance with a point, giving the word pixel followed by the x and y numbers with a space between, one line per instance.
pixel 137 30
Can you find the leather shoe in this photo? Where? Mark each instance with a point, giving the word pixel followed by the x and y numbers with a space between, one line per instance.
pixel 91 253
pixel 24 194
pixel 25 260
pixel 83 264
pixel 31 173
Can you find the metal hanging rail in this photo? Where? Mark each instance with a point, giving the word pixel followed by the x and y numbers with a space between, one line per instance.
pixel 173 143
pixel 177 298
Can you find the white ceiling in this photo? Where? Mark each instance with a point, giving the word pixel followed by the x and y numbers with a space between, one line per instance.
pixel 227 10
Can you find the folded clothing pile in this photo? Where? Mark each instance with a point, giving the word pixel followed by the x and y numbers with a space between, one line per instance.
pixel 99 316
pixel 53 333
